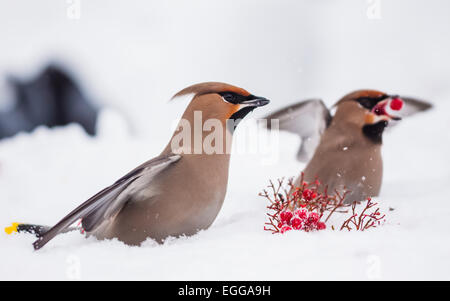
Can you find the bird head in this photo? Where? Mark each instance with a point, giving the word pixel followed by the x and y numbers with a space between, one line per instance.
pixel 369 109
pixel 220 101
pixel 211 117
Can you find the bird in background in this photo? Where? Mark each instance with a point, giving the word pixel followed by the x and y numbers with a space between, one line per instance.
pixel 177 193
pixel 343 150
pixel 52 98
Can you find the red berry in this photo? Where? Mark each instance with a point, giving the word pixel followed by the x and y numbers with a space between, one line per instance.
pixel 301 213
pixel 396 104
pixel 307 194
pixel 286 216
pixel 321 226
pixel 286 228
pixel 296 223
pixel 313 218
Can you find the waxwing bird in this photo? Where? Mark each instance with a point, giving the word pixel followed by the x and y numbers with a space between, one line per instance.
pixel 177 193
pixel 344 150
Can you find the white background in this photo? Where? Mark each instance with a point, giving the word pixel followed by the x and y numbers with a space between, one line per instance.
pixel 134 55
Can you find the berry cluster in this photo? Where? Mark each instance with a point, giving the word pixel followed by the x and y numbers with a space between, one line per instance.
pixel 300 219
pixel 308 207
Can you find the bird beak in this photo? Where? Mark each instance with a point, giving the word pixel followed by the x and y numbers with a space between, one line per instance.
pixel 247 106
pixel 381 110
pixel 255 101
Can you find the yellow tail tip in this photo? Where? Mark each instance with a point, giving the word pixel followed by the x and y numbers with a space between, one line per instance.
pixel 12 228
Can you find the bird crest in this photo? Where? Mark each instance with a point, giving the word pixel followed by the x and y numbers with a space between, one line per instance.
pixel 210 87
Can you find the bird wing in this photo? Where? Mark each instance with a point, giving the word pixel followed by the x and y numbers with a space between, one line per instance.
pixel 110 200
pixel 308 119
pixel 411 106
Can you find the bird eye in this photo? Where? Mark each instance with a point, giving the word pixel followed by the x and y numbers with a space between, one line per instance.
pixel 229 97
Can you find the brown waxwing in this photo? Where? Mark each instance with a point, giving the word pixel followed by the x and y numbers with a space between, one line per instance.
pixel 343 151
pixel 177 193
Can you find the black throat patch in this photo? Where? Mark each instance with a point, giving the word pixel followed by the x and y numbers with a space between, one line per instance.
pixel 375 131
pixel 239 115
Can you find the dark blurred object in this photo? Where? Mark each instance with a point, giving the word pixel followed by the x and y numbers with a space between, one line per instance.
pixel 52 98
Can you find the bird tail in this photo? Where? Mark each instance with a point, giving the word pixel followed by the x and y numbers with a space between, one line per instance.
pixel 37 230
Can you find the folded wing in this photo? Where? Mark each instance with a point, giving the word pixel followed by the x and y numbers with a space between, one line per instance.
pixel 110 200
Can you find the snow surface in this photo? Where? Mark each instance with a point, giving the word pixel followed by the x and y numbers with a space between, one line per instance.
pixel 135 57
pixel 46 174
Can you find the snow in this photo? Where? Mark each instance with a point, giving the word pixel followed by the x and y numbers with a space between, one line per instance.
pixel 134 67
pixel 47 173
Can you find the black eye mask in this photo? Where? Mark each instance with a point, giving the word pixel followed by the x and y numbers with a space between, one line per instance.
pixel 370 102
pixel 234 98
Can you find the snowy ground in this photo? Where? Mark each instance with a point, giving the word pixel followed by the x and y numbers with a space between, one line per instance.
pixel 133 57
pixel 45 174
